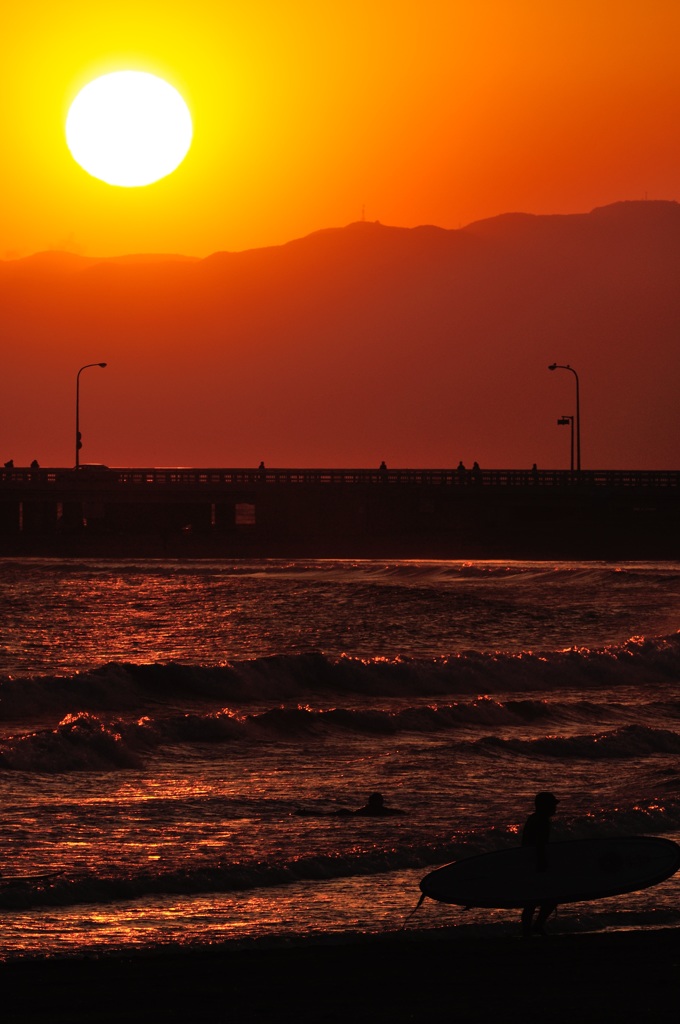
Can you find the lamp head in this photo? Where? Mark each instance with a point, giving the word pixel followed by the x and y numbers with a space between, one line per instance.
pixel 553 366
pixel 101 364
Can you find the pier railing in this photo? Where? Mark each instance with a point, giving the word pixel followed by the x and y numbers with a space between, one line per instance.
pixel 170 478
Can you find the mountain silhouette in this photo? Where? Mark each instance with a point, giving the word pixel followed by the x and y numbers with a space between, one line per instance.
pixel 420 346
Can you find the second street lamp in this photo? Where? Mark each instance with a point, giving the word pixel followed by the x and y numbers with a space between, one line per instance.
pixel 559 366
pixel 79 440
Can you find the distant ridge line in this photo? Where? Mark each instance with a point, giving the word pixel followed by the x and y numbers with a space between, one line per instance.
pixel 625 206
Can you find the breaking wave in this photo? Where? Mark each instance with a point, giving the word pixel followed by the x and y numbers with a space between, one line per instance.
pixel 86 742
pixel 129 687
pixel 631 741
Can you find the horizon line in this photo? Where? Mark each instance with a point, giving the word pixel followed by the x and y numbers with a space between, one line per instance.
pixel 170 255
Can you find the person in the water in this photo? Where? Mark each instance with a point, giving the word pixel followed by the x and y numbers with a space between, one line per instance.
pixel 376 807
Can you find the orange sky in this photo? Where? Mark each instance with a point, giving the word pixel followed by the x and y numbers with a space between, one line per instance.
pixel 307 114
pixel 310 116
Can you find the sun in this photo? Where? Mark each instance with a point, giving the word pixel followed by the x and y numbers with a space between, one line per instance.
pixel 128 128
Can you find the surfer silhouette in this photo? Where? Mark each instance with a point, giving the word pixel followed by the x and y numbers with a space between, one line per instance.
pixel 375 807
pixel 536 833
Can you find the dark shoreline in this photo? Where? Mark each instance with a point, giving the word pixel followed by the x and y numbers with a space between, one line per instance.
pixel 614 976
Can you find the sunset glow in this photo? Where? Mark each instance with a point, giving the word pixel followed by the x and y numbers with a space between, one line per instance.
pixel 305 116
pixel 314 615
pixel 323 142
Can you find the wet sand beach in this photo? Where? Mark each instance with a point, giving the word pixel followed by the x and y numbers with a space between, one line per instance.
pixel 618 976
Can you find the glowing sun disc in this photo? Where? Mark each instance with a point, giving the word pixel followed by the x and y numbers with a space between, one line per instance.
pixel 128 128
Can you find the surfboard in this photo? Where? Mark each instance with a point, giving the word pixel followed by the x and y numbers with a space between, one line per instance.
pixel 579 869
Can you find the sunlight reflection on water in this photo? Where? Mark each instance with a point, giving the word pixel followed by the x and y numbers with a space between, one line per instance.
pixel 204 799
pixel 340 907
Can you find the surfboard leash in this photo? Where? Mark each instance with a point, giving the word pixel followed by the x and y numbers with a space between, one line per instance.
pixel 417 907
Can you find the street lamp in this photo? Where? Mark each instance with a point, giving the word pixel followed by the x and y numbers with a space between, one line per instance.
pixel 79 440
pixel 558 366
pixel 565 421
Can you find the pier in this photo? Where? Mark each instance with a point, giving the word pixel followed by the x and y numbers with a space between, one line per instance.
pixel 96 511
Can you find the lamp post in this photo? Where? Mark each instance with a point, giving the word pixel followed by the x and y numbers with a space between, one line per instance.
pixel 565 421
pixel 79 440
pixel 558 366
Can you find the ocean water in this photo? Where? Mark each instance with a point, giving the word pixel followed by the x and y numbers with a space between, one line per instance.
pixel 182 741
